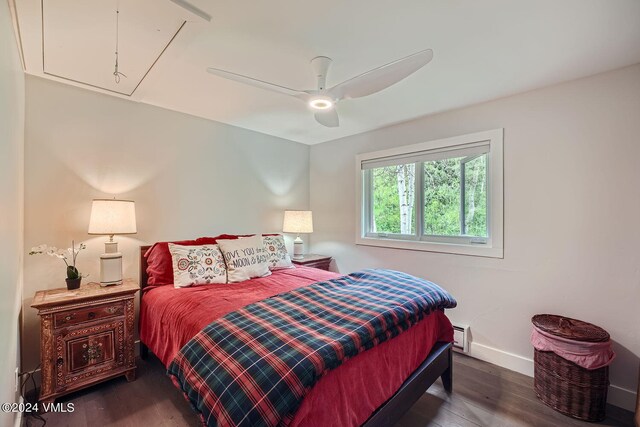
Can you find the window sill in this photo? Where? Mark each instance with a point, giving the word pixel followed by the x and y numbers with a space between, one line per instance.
pixel 447 248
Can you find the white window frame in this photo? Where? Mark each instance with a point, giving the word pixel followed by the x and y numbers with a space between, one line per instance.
pixel 492 246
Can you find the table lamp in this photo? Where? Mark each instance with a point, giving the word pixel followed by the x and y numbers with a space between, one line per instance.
pixel 297 222
pixel 110 217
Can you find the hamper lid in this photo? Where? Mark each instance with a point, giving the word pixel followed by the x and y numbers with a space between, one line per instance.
pixel 569 328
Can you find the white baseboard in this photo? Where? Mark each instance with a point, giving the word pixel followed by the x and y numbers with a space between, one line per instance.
pixel 617 396
pixel 622 397
pixel 18 419
pixel 502 358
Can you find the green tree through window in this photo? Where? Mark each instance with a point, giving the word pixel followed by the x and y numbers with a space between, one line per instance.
pixel 454 194
pixel 394 199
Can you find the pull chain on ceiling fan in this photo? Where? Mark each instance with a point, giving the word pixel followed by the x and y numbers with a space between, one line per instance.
pixel 323 100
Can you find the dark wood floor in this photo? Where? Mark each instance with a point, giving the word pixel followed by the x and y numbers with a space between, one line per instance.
pixel 484 395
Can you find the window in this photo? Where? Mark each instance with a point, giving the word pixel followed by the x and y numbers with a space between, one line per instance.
pixel 442 196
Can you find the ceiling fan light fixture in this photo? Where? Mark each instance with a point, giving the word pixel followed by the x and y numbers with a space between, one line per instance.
pixel 321 103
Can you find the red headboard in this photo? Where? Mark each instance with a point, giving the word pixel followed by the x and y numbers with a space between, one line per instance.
pixel 144 277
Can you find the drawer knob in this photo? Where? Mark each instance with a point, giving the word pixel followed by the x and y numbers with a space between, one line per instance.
pixel 91 315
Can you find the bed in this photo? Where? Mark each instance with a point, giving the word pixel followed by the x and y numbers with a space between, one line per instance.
pixel 405 365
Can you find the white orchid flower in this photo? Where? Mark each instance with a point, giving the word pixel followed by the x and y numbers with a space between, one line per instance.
pixel 38 249
pixel 67 255
pixel 61 253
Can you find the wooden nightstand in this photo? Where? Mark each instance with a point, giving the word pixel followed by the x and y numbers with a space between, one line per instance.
pixel 316 261
pixel 86 336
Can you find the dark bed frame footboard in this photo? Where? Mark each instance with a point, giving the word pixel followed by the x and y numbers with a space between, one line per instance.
pixel 438 364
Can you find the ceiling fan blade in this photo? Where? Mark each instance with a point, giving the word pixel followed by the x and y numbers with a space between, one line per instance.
pixel 328 118
pixel 191 8
pixel 382 77
pixel 258 83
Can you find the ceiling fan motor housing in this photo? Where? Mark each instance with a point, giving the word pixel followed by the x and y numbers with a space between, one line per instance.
pixel 320 65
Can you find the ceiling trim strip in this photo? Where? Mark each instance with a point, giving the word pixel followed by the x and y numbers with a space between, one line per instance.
pixel 159 56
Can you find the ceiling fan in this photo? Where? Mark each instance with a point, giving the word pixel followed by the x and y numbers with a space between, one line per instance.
pixel 322 100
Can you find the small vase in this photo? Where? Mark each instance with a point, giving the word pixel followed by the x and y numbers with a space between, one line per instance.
pixel 73 283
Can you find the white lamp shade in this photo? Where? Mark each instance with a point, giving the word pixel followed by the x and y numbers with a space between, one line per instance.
pixel 110 216
pixel 297 222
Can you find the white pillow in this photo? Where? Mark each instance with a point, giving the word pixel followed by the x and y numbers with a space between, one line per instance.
pixel 197 265
pixel 245 258
pixel 278 256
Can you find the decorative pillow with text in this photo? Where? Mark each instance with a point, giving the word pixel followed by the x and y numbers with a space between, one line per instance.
pixel 197 265
pixel 245 258
pixel 278 256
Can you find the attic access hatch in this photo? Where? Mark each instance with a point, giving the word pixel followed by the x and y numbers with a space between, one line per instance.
pixel 79 40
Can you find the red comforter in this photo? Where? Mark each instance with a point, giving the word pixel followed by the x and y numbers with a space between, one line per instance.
pixel 170 317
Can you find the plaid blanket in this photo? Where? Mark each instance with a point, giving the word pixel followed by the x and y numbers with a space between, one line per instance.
pixel 254 366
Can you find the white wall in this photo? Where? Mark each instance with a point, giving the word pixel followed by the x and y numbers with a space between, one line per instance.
pixel 11 205
pixel 572 170
pixel 188 176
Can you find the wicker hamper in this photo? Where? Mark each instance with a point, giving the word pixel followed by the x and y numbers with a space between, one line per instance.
pixel 565 386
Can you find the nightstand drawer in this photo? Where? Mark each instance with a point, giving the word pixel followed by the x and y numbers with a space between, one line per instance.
pixel 75 317
pixel 323 262
pixel 322 265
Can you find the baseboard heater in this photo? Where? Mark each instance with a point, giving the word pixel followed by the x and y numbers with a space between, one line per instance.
pixel 461 338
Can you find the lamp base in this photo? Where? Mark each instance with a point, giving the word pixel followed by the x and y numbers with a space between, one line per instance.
pixel 111 265
pixel 298 248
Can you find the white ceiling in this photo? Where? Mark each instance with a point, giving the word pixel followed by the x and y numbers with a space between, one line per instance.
pixel 483 49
